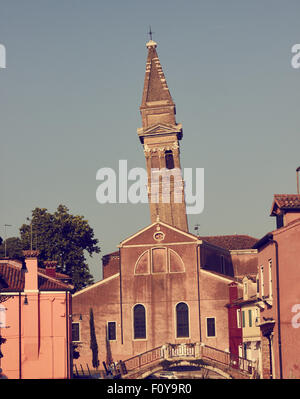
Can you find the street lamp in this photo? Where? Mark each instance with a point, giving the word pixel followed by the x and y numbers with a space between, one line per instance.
pixel 297 171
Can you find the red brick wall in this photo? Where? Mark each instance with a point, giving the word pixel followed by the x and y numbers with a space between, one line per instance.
pixel 111 264
pixel 265 351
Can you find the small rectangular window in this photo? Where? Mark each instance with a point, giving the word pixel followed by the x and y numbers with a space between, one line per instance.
pixel 243 319
pixel 250 317
pixel 111 330
pixel 245 350
pixel 223 264
pixel 211 327
pixel 75 332
pixel 270 280
pixel 262 288
pixel 238 315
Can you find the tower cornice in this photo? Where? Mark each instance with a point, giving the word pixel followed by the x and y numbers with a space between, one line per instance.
pixel 160 129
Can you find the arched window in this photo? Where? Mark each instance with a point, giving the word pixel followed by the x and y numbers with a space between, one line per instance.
pixel 142 264
pixel 159 260
pixel 176 263
pixel 139 322
pixel 182 320
pixel 169 160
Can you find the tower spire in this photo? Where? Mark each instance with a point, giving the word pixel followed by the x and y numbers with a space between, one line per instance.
pixel 160 135
pixel 157 103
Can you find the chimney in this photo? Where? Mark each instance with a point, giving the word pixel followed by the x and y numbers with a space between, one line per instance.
pixel 31 277
pixel 31 332
pixel 50 268
pixel 233 292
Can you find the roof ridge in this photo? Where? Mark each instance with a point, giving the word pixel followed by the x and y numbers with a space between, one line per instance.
pixel 230 235
pixel 55 280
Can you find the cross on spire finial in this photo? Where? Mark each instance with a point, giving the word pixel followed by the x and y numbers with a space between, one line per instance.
pixel 150 32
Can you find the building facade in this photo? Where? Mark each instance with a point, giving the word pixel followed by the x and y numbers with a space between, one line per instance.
pixel 278 293
pixel 35 311
pixel 164 284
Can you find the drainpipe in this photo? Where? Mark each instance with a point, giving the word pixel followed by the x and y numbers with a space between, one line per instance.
pixel 121 312
pixel 67 333
pixel 20 343
pixel 270 354
pixel 278 307
pixel 198 286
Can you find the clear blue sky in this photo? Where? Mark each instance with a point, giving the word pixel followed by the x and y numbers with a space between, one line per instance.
pixel 71 92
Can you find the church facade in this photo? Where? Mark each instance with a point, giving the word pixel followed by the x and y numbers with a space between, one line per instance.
pixel 163 284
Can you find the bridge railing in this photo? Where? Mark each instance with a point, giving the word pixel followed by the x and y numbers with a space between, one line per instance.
pixel 144 358
pixel 179 350
pixel 227 358
pixel 197 351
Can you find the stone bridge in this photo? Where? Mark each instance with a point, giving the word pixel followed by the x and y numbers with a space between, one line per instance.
pixel 197 355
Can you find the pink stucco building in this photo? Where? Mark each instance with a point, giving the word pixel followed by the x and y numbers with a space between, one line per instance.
pixel 35 320
pixel 278 290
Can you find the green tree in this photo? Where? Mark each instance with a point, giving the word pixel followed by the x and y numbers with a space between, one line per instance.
pixel 13 248
pixel 62 237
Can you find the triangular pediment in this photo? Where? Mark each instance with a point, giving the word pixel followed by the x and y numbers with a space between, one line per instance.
pixel 159 233
pixel 160 128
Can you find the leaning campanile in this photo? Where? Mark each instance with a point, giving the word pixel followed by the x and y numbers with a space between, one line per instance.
pixel 160 135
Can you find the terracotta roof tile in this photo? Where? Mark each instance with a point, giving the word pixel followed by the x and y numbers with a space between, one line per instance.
pixel 14 278
pixel 231 242
pixel 285 201
pixel 59 276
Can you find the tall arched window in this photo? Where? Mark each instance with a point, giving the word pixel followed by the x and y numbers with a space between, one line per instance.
pixel 182 320
pixel 139 322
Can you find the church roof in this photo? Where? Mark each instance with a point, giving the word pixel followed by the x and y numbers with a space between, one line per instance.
pixel 231 242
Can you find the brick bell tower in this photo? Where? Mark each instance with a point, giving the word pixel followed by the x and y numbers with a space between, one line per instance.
pixel 160 135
